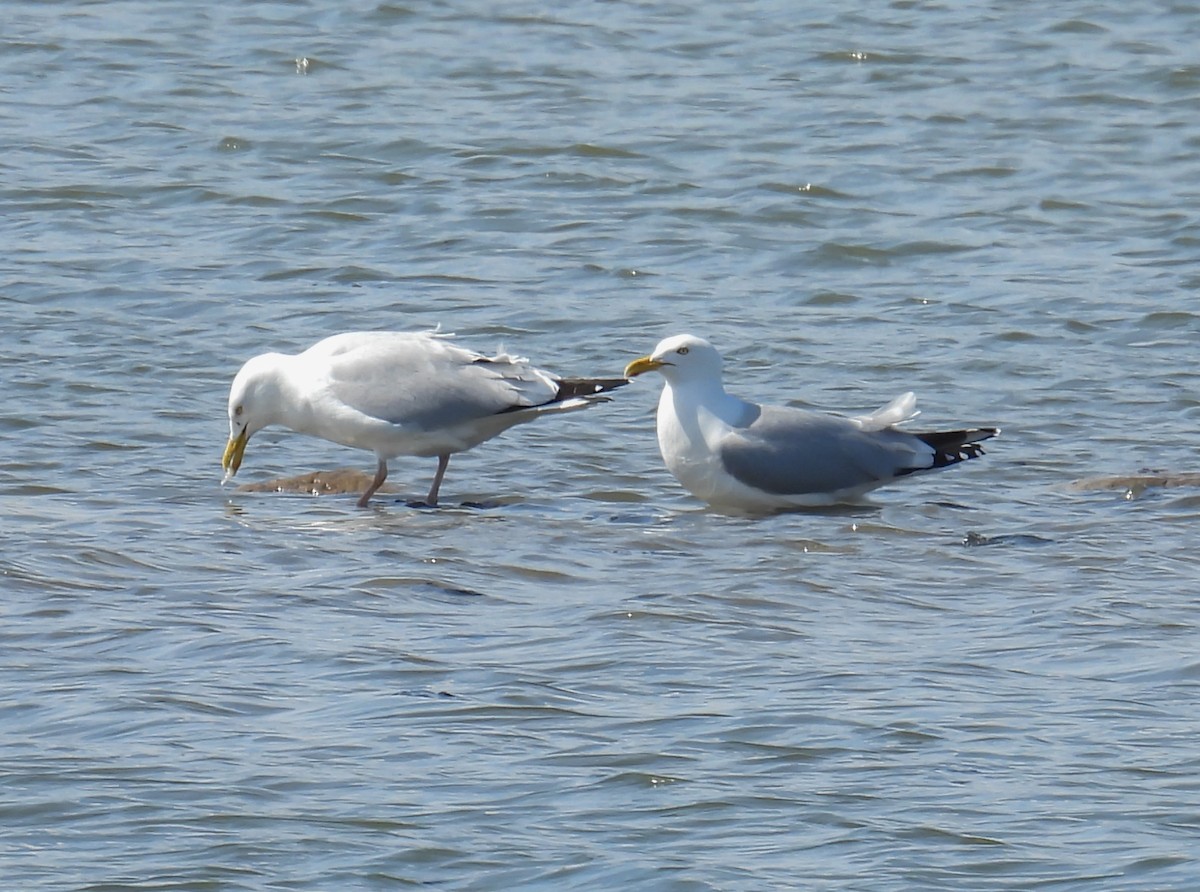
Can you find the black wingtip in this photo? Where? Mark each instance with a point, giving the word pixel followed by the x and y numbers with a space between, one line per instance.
pixel 571 388
pixel 952 447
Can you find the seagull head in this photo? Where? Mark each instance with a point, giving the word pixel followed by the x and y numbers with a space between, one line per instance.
pixel 253 401
pixel 680 359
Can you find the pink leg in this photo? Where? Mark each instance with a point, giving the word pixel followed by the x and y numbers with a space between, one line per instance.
pixel 431 499
pixel 380 476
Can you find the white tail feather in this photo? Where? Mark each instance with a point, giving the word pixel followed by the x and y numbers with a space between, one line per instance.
pixel 903 408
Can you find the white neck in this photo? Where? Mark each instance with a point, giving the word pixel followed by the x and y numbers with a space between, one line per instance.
pixel 693 418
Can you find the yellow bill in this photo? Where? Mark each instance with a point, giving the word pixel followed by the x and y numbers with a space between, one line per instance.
pixel 642 365
pixel 232 460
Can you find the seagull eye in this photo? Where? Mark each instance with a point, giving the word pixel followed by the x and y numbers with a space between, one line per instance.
pixel 682 351
pixel 238 411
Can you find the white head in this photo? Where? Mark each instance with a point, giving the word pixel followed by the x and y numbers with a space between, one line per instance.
pixel 254 400
pixel 680 359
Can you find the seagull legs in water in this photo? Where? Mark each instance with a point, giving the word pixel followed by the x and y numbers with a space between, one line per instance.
pixel 431 499
pixel 381 473
pixel 380 476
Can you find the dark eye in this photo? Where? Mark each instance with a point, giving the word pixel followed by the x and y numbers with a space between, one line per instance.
pixel 238 411
pixel 682 351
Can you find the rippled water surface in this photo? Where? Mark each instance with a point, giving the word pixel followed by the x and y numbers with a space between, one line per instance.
pixel 573 676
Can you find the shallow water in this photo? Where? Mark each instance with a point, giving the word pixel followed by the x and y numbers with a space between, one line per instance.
pixel 984 679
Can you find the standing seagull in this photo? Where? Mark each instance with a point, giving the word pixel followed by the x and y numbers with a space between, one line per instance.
pixel 736 454
pixel 397 393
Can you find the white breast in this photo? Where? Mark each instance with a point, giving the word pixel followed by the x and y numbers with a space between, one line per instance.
pixel 690 431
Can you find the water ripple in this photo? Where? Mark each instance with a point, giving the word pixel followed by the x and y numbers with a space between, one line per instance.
pixel 576 676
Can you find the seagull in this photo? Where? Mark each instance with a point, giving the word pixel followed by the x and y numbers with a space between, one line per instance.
pixel 397 393
pixel 735 454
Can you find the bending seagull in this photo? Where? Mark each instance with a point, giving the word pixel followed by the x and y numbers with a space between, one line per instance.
pixel 397 393
pixel 737 454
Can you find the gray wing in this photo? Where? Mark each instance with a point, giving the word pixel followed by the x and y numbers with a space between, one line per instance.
pixel 424 382
pixel 787 451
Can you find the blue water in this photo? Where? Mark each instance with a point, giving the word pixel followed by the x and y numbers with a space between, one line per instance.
pixel 985 679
